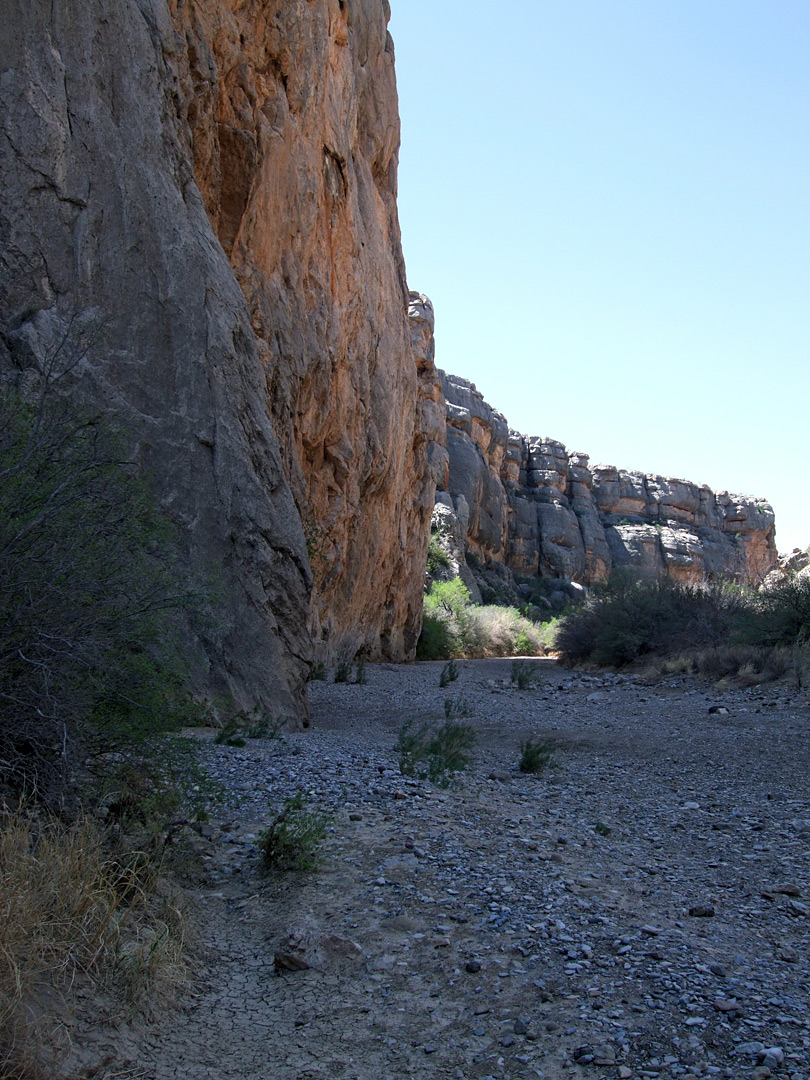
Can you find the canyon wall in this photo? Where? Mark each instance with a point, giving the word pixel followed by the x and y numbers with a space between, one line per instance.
pixel 293 114
pixel 529 506
pixel 199 219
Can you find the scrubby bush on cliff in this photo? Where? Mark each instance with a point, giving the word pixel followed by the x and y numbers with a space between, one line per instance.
pixel 89 585
pixel 454 626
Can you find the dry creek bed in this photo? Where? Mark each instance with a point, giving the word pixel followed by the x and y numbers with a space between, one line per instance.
pixel 639 910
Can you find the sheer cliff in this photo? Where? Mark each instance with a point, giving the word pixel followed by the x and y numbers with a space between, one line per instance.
pixel 199 215
pixel 529 506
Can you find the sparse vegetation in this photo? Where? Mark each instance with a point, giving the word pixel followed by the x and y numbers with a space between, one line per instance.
pixel 292 840
pixel 437 557
pixel 456 707
pixel 317 673
pixel 72 910
pixel 361 675
pixel 343 670
pixel 435 754
pixel 535 755
pixel 725 632
pixel 455 627
pixel 449 674
pixel 524 674
pixel 90 655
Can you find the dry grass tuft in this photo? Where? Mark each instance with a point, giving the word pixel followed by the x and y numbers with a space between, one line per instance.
pixel 72 910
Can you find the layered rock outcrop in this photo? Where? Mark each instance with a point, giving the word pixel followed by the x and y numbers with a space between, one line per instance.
pixel 536 509
pixel 199 205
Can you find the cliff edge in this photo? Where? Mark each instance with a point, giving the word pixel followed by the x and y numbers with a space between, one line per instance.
pixel 526 505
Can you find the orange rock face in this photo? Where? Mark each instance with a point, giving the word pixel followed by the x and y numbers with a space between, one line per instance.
pixel 293 115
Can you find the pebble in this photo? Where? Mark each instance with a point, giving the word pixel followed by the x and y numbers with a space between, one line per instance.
pixel 578 937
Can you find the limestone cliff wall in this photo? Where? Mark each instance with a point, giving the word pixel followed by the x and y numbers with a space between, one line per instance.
pixel 535 508
pixel 293 114
pixel 209 186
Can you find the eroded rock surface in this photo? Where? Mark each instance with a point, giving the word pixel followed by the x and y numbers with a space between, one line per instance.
pixel 199 200
pixel 535 508
pixel 108 262
pixel 293 113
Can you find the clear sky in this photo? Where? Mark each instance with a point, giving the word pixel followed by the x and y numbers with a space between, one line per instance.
pixel 608 202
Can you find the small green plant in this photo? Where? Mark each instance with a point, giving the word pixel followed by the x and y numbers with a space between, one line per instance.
pixel 456 707
pixel 524 674
pixel 449 674
pixel 343 670
pixel 535 755
pixel 292 839
pixel 437 557
pixel 361 675
pixel 317 673
pixel 230 734
pixel 435 754
pixel 603 829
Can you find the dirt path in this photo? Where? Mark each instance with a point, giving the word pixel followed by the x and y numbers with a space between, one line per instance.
pixel 639 910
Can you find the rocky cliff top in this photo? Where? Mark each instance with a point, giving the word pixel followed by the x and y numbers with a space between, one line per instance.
pixel 532 506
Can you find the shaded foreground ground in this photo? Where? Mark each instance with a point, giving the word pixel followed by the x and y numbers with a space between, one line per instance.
pixel 519 926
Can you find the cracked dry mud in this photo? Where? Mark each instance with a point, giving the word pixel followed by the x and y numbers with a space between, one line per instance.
pixel 519 926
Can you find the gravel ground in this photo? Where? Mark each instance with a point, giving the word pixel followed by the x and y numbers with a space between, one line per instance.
pixel 640 909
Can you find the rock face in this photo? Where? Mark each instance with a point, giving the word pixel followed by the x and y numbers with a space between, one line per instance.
pixel 293 114
pixel 535 509
pixel 199 205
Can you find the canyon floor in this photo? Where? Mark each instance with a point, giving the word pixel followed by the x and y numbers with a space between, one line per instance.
pixel 639 909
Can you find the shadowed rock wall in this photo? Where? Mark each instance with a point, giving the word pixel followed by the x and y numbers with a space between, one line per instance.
pixel 538 510
pixel 199 202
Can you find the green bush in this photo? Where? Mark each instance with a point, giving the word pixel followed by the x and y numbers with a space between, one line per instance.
pixel 437 640
pixel 781 614
pixel 437 557
pixel 449 674
pixel 92 582
pixel 292 840
pixel 535 755
pixel 632 619
pixel 456 707
pixel 453 626
pixel 524 674
pixel 435 754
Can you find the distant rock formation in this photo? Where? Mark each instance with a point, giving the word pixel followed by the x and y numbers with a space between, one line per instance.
pixel 527 505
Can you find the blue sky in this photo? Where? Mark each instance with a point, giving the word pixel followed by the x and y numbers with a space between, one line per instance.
pixel 608 202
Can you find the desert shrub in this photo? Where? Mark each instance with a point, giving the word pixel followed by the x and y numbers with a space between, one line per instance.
pixel 343 670
pixel 524 674
pixel 92 580
pixel 361 675
pixel 292 839
pixel 448 598
pixel 437 557
pixel 436 641
pixel 780 615
pixel 71 907
pixel 243 724
pixel 456 707
pixel 454 626
pixel 535 755
pixel 449 674
pixel 317 673
pixel 630 619
pixel 435 754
